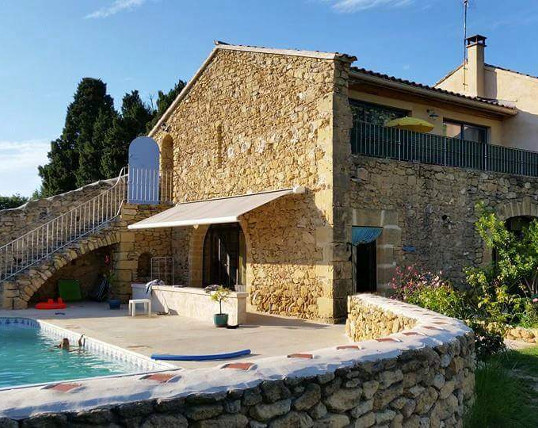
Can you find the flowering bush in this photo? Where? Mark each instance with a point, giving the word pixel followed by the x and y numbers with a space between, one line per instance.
pixel 428 290
pixel 432 291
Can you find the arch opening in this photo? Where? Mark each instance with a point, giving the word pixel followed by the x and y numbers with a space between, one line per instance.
pixel 224 256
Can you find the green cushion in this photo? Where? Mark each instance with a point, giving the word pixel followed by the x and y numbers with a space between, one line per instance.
pixel 69 290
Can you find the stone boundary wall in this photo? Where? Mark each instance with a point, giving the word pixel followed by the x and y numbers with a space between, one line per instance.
pixel 417 377
pixel 15 222
pixel 522 334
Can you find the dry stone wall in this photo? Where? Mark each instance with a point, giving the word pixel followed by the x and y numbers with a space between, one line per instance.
pixel 419 377
pixel 17 221
pixel 370 321
pixel 432 209
pixel 257 121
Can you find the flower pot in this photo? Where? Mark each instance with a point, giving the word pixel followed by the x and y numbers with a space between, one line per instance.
pixel 114 303
pixel 220 320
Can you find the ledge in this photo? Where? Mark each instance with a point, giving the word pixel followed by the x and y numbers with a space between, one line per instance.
pixel 429 368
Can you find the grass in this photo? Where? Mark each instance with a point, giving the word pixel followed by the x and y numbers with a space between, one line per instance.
pixel 506 391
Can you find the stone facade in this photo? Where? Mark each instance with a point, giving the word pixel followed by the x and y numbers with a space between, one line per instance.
pixel 256 121
pixel 87 270
pixel 428 212
pixel 419 377
pixel 83 260
pixel 133 244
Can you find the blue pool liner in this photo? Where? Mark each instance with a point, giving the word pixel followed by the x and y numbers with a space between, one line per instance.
pixel 204 357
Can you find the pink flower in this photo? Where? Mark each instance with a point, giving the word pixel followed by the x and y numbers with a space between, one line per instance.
pixel 535 300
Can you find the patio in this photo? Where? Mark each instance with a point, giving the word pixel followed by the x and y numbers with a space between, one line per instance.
pixel 265 335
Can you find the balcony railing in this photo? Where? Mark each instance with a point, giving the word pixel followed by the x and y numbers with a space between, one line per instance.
pixel 392 143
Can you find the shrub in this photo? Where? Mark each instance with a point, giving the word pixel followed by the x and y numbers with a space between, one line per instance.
pixel 482 312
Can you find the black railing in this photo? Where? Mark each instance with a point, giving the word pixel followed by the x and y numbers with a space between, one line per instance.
pixel 392 143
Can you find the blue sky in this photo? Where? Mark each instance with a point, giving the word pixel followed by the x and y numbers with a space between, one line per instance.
pixel 48 46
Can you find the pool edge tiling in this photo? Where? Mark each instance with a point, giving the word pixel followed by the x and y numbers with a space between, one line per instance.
pixel 444 348
pixel 141 363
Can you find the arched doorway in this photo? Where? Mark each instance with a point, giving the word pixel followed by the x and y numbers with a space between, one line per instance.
pixel 224 256
pixel 167 153
pixel 518 224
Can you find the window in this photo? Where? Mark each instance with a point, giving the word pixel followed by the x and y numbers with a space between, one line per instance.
pixel 143 272
pixel 466 131
pixel 374 113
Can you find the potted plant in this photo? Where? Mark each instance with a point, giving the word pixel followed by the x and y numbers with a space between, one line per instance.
pixel 113 303
pixel 219 294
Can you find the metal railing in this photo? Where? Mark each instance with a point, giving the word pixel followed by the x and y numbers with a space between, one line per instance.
pixel 150 186
pixel 392 143
pixel 145 186
pixel 43 241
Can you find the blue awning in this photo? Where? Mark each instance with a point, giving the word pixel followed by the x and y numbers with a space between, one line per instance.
pixel 365 235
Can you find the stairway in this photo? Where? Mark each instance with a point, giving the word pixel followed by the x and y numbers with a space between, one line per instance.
pixel 28 261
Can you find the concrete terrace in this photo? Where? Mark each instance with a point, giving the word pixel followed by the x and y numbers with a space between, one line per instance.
pixel 265 335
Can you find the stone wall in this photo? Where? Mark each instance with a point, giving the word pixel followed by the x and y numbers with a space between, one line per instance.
pixel 134 243
pixel 420 377
pixel 370 321
pixel 17 221
pixel 428 212
pixel 87 270
pixel 254 121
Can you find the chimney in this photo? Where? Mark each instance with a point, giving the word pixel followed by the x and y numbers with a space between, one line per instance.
pixel 474 69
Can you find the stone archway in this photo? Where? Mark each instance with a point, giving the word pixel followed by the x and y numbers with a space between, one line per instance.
pixel 525 207
pixel 387 245
pixel 196 255
pixel 16 294
pixel 167 153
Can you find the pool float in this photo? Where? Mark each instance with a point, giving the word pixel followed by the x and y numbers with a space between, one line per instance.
pixel 51 304
pixel 203 357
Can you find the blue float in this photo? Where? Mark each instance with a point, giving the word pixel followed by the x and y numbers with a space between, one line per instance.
pixel 206 357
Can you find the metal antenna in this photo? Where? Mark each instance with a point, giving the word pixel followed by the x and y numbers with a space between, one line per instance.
pixel 465 7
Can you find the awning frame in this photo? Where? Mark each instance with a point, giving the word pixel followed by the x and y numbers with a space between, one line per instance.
pixel 196 220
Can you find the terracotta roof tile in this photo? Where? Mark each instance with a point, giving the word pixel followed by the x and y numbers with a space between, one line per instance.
pixel 427 87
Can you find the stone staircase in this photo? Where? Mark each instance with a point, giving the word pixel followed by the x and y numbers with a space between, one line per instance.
pixel 29 260
pixel 16 292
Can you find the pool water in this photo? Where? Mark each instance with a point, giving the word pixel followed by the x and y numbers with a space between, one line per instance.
pixel 29 356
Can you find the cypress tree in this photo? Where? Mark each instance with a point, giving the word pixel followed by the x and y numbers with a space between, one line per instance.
pixel 165 100
pixel 135 115
pixel 74 158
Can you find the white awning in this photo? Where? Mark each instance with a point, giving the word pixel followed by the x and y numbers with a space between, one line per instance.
pixel 212 211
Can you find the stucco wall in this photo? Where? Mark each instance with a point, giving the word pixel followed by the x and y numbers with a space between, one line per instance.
pixel 514 89
pixel 428 212
pixel 254 122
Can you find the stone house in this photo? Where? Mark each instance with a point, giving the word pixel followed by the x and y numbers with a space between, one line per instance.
pixel 288 185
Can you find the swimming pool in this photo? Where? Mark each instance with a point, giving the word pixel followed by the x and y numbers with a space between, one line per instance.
pixel 28 356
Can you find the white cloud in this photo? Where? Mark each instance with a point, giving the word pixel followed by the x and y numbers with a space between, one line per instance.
pixel 18 169
pixel 116 7
pixel 349 6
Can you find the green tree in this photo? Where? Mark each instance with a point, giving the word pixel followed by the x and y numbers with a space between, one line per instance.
pixel 516 256
pixel 12 201
pixel 165 100
pixel 135 115
pixel 74 157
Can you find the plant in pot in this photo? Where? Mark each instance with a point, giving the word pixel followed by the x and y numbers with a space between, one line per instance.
pixel 113 303
pixel 219 294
